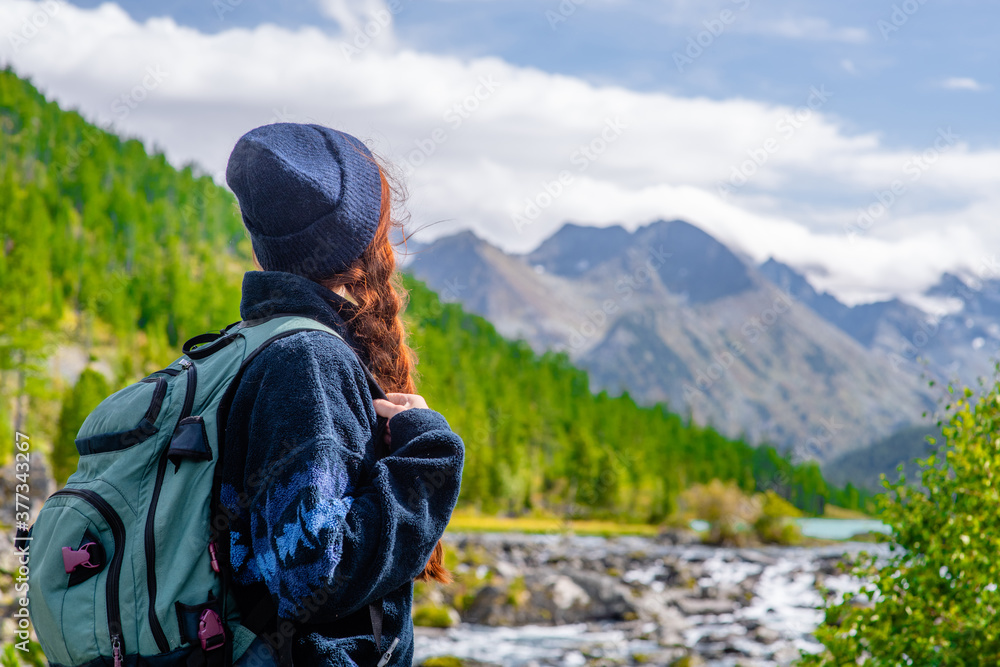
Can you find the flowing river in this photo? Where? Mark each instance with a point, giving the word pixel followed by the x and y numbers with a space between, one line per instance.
pixel 633 600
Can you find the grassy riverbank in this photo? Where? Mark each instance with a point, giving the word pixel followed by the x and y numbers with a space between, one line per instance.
pixel 464 521
pixel 469 522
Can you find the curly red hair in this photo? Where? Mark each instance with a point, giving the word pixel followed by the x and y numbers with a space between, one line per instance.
pixel 375 286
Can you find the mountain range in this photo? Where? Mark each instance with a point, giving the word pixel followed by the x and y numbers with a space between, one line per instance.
pixel 670 315
pixel 110 258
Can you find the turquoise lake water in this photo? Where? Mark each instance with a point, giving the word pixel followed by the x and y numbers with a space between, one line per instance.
pixel 840 529
pixel 827 529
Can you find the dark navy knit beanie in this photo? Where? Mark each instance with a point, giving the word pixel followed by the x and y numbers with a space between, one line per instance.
pixel 310 197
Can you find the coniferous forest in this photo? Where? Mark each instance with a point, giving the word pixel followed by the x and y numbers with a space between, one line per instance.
pixel 113 257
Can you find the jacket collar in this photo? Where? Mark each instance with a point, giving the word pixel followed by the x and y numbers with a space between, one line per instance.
pixel 268 293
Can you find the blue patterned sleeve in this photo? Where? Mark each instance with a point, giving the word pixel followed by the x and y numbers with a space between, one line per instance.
pixel 331 530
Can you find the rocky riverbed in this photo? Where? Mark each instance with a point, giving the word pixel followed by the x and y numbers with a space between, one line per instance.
pixel 561 600
pixel 523 600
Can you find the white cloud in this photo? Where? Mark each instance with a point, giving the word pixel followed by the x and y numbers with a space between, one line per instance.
pixel 363 22
pixel 743 16
pixel 807 27
pixel 489 136
pixel 962 83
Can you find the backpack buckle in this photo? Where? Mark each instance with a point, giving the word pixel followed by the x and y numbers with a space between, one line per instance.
pixel 74 558
pixel 211 633
pixel 213 555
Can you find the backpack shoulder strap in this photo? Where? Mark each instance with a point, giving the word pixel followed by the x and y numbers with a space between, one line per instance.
pixel 261 332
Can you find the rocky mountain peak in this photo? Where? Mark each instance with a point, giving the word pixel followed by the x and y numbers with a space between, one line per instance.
pixel 575 249
pixel 696 265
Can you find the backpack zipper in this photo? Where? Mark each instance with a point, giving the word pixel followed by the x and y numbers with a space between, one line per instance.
pixel 149 539
pixel 114 569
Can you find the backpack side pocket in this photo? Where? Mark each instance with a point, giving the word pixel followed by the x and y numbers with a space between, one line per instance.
pixel 77 550
pixel 143 399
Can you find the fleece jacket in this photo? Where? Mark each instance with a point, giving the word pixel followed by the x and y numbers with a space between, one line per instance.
pixel 328 527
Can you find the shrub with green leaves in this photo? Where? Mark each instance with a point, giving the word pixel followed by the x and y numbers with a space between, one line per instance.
pixel 775 524
pixel 434 616
pixel 934 599
pixel 12 656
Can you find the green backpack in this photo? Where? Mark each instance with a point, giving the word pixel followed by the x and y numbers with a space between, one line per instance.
pixel 124 558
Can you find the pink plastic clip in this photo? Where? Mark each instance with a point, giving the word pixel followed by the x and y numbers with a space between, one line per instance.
pixel 214 556
pixel 210 630
pixel 74 558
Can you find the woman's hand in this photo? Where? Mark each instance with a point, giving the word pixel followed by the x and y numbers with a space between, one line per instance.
pixel 397 403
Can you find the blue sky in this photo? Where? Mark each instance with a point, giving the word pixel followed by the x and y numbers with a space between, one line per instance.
pixel 856 141
pixel 887 75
